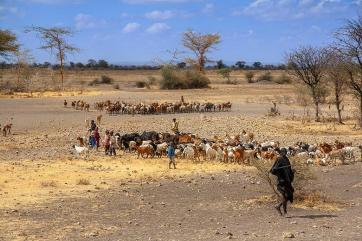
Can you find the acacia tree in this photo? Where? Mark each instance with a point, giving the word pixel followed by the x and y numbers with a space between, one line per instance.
pixel 349 44
pixel 225 73
pixel 308 65
pixel 23 70
pixel 200 45
pixel 54 39
pixel 337 77
pixel 8 43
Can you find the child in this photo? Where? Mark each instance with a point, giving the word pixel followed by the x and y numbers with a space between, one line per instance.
pixel 106 142
pixel 113 144
pixel 97 137
pixel 171 156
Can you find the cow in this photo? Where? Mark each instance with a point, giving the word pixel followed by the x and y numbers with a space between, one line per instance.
pixel 145 150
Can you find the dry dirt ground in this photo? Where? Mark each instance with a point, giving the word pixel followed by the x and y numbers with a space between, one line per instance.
pixel 48 193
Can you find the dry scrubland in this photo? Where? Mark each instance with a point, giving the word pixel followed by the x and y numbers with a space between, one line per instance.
pixel 47 78
pixel 47 193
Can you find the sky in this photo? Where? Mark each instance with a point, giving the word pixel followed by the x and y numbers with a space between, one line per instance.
pixel 146 31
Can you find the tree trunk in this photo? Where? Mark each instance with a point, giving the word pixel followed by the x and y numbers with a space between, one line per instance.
pixel 338 106
pixel 360 111
pixel 18 80
pixel 317 119
pixel 316 103
pixel 62 72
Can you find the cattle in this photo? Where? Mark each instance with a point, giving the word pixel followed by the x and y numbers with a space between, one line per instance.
pixel 7 129
pixel 99 120
pixel 325 148
pixel 121 107
pixel 239 154
pixel 231 148
pixel 145 150
pixel 335 155
pixel 149 135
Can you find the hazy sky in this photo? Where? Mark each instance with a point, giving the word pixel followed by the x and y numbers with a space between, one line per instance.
pixel 140 31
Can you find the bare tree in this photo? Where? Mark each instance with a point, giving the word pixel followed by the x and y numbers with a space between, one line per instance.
pixel 337 77
pixel 54 39
pixel 308 65
pixel 23 70
pixel 8 43
pixel 349 43
pixel 200 44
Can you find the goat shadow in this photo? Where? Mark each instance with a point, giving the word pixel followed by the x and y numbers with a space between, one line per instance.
pixel 314 216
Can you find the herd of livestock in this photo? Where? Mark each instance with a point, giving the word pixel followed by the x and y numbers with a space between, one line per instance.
pixel 121 107
pixel 239 149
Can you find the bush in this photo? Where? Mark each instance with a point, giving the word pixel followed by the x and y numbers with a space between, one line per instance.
pixel 140 84
pixel 173 78
pixel 283 79
pixel 104 79
pixel 266 77
pixel 151 80
pixel 225 73
pixel 116 87
pixel 249 76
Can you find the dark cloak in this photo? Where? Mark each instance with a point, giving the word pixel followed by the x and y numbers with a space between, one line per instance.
pixel 285 174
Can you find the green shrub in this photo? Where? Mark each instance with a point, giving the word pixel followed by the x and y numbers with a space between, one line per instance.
pixel 265 77
pixel 283 79
pixel 249 76
pixel 173 78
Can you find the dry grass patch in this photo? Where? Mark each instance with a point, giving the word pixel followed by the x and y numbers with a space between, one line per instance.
pixel 316 200
pixel 49 184
pixel 21 184
pixel 43 94
pixel 83 181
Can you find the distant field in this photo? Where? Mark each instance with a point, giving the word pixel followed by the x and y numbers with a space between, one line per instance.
pixel 126 78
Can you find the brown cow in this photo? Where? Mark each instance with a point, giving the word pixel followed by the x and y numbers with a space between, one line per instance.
pixel 7 129
pixel 81 141
pixel 325 148
pixel 239 154
pixel 99 119
pixel 184 138
pixel 145 150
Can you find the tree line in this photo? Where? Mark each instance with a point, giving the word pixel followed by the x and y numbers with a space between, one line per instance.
pixel 102 64
pixel 336 68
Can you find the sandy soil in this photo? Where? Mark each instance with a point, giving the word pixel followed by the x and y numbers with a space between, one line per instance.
pixel 43 196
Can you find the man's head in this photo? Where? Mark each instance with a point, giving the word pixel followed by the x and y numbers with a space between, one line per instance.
pixel 283 152
pixel 174 119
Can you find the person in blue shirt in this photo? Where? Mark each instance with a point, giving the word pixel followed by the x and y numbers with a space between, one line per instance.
pixel 171 155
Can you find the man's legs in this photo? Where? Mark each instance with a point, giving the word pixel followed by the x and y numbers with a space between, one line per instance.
pixel 283 203
pixel 173 162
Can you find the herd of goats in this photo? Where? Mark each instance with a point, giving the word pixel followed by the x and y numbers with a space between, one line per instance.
pixel 121 107
pixel 239 149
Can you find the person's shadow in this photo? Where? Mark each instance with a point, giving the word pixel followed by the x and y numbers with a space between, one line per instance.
pixel 314 216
